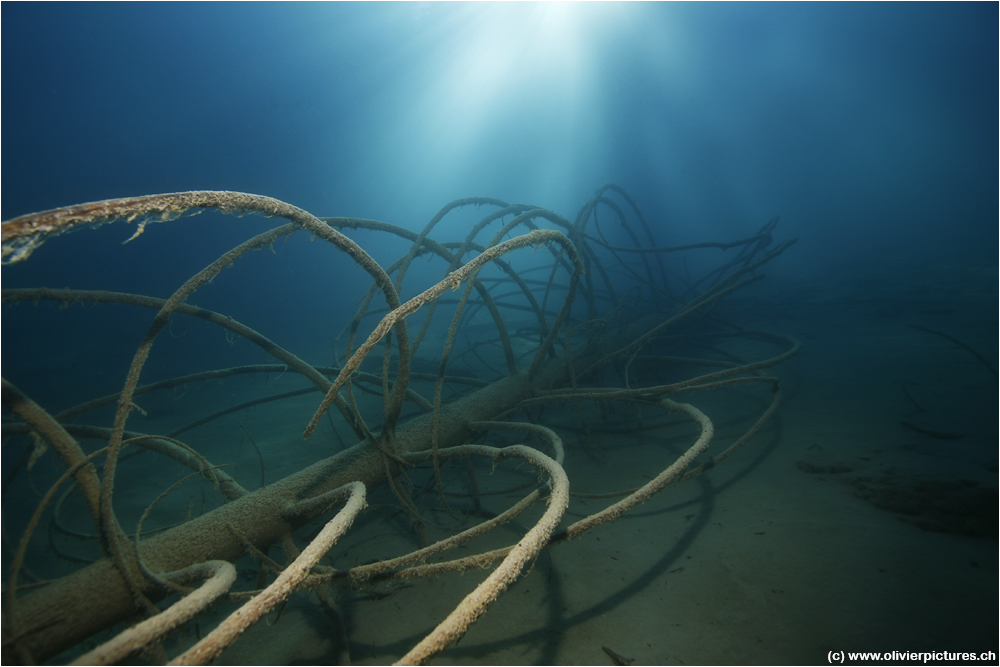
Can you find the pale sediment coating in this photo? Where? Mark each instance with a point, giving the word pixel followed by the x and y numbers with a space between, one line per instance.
pixel 66 611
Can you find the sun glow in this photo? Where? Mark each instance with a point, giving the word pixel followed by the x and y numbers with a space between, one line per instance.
pixel 501 90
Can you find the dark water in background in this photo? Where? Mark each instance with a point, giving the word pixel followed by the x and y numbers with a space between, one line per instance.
pixel 870 128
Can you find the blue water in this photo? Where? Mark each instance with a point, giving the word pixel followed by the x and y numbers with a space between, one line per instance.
pixel 871 129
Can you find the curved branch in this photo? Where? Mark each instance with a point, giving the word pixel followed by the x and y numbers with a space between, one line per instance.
pixel 219 577
pixel 236 624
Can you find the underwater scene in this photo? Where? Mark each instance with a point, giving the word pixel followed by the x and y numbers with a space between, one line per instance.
pixel 499 333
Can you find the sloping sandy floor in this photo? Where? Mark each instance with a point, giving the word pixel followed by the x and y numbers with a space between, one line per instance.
pixel 837 528
pixel 776 556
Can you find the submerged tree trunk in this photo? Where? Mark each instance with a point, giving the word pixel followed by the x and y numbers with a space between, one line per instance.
pixel 44 623
pixel 75 607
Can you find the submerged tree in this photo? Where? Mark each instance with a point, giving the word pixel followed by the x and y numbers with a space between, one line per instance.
pixel 598 339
